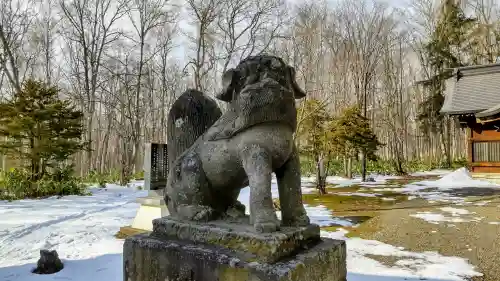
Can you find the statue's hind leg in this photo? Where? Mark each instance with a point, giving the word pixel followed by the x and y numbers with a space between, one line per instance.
pixel 257 164
pixel 190 192
pixel 293 212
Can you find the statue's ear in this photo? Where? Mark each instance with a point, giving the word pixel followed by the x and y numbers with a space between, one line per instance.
pixel 229 81
pixel 297 91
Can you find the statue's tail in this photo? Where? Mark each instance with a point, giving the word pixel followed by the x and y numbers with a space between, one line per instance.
pixel 189 117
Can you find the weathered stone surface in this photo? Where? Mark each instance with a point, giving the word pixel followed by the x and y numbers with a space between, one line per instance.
pixel 249 142
pixel 154 259
pixel 239 235
pixel 188 118
pixel 48 263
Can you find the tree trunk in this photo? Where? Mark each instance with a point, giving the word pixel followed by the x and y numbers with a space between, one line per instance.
pixel 88 165
pixel 444 150
pixel 345 166
pixel 363 165
pixel 349 168
pixel 125 163
pixel 321 175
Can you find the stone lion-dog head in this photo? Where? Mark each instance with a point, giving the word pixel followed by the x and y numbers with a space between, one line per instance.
pixel 255 69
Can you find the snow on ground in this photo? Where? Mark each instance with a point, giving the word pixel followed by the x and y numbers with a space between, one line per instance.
pixel 440 190
pixel 435 218
pixel 482 203
pixel 319 215
pixel 359 194
pixel 457 216
pixel 82 230
pixel 429 266
pixel 344 182
pixel 460 178
pixel 455 212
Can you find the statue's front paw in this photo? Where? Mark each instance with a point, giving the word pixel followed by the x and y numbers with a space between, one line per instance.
pixel 196 213
pixel 204 214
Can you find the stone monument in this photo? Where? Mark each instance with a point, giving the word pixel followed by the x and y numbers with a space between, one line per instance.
pixel 153 206
pixel 207 235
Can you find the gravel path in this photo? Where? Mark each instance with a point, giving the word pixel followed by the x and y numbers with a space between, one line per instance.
pixel 478 241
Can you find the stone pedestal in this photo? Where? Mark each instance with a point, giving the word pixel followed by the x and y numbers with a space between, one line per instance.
pixel 152 207
pixel 225 251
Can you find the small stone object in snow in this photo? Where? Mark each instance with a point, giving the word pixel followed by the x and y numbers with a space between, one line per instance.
pixel 370 179
pixel 48 263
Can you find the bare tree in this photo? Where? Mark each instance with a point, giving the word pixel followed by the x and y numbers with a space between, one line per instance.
pixel 44 36
pixel 205 16
pixel 367 27
pixel 248 27
pixel 91 29
pixel 15 20
pixel 168 77
pixel 145 16
pixel 395 99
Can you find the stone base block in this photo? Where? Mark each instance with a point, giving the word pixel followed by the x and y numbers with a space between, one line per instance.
pixel 151 208
pixel 238 235
pixel 151 258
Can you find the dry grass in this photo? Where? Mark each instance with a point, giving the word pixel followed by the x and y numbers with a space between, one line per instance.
pixel 128 231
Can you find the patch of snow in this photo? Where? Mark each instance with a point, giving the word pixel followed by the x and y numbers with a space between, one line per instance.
pixel 319 215
pixel 387 189
pixel 322 216
pixel 78 227
pixel 360 194
pixel 412 188
pixel 435 218
pixel 454 211
pixel 136 184
pixel 494 223
pixel 426 265
pixel 483 203
pixel 345 182
pixel 388 199
pixel 433 195
pixel 309 190
pixel 460 178
pixel 438 190
pixel 311 179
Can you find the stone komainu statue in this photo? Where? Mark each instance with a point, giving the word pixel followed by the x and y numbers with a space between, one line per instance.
pixel 217 155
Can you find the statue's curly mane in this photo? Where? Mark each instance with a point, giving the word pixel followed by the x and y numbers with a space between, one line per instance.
pixel 256 68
